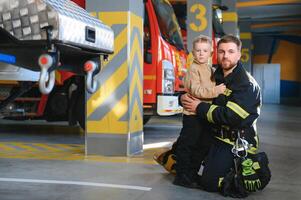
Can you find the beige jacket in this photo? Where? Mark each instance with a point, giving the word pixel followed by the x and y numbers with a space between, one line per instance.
pixel 198 83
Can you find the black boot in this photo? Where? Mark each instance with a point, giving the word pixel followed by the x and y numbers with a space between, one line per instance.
pixel 185 181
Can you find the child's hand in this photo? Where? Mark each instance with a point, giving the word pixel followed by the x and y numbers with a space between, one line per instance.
pixel 220 89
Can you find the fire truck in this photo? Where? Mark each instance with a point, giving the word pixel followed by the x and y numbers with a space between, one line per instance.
pixel 164 69
pixel 164 60
pixel 45 69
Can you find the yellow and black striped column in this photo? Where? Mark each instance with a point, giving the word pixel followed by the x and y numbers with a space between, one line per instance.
pixel 114 112
pixel 246 50
pixel 230 17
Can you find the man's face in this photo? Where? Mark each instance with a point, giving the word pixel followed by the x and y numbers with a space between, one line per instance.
pixel 202 52
pixel 228 55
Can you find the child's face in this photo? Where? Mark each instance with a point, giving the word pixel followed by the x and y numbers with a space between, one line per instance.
pixel 202 52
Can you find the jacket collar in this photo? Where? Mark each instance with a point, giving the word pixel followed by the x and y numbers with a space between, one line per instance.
pixel 198 63
pixel 219 74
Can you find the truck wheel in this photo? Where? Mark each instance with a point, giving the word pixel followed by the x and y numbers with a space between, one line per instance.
pixel 57 106
pixel 77 102
pixel 146 118
pixel 80 110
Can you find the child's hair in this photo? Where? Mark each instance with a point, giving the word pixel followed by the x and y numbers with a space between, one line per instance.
pixel 204 39
pixel 201 38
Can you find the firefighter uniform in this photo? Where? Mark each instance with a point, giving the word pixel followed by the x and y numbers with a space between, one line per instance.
pixel 234 112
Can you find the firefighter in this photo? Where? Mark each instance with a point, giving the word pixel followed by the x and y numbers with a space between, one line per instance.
pixel 234 112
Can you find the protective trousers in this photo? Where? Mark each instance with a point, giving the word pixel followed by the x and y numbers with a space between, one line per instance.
pixel 217 164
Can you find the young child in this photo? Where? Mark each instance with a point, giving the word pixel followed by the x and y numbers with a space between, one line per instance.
pixel 194 141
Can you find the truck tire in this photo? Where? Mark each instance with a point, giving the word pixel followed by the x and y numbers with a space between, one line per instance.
pixel 57 106
pixel 80 110
pixel 77 102
pixel 146 118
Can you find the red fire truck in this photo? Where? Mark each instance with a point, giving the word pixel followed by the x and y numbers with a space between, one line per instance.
pixel 164 69
pixel 164 60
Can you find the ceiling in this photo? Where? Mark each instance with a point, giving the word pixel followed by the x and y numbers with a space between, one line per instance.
pixel 268 17
pixel 271 16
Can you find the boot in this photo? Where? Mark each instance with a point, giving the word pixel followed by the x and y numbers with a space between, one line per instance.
pixel 185 180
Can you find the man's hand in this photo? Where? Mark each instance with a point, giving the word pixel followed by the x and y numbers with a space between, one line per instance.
pixel 189 102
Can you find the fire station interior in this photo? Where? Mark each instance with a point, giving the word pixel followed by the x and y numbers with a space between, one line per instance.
pixel 82 115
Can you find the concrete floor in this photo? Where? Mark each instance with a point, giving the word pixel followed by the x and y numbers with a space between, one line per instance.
pixel 48 162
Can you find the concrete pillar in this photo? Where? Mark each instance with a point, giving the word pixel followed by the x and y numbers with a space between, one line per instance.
pixel 230 17
pixel 114 112
pixel 199 20
pixel 246 50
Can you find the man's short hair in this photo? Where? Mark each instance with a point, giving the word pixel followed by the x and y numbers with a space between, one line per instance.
pixel 201 38
pixel 230 38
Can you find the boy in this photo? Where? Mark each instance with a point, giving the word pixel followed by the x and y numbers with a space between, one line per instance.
pixel 194 140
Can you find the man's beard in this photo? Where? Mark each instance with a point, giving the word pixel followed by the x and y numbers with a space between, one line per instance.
pixel 227 66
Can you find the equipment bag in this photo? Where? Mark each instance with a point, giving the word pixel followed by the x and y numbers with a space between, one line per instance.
pixel 249 174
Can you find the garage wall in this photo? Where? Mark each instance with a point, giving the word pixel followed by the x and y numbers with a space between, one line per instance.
pixel 288 54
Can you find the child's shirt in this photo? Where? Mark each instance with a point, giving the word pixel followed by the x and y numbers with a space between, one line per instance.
pixel 199 84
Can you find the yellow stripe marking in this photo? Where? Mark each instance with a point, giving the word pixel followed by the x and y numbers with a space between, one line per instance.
pixel 268 25
pixel 136 79
pixel 136 82
pixel 136 121
pixel 121 41
pixel 77 155
pixel 230 17
pixel 246 36
pixel 23 146
pixel 6 147
pixel 111 18
pixel 114 81
pixel 45 146
pixel 227 92
pixel 257 140
pixel 220 180
pixel 67 146
pixel 237 109
pixel 136 21
pixel 252 150
pixel 264 3
pixel 107 88
pixel 9 82
pixel 58 77
pixel 110 123
pixel 149 77
pixel 209 113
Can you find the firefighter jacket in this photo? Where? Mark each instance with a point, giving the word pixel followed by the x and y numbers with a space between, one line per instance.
pixel 235 110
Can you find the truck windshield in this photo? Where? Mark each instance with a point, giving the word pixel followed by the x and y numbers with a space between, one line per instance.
pixel 168 24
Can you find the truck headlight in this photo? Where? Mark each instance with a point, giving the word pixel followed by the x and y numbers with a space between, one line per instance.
pixel 168 77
